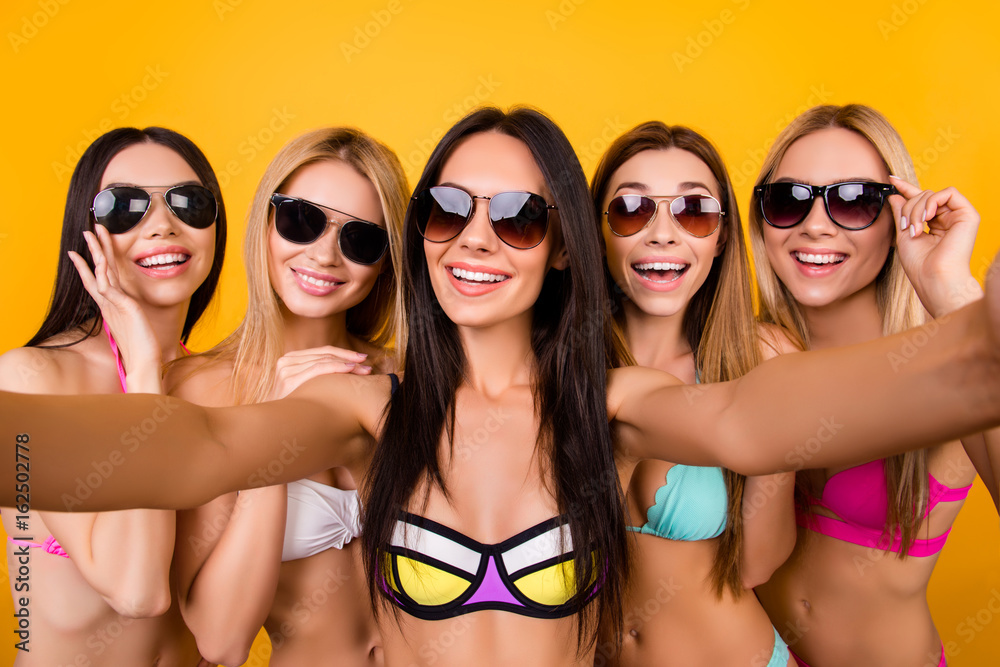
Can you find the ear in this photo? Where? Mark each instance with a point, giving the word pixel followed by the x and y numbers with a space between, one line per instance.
pixel 560 259
pixel 723 239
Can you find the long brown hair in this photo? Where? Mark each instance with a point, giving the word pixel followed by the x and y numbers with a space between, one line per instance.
pixel 905 474
pixel 379 319
pixel 572 349
pixel 719 322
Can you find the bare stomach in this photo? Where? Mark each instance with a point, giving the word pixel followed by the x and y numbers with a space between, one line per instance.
pixel 674 617
pixel 838 603
pixel 322 609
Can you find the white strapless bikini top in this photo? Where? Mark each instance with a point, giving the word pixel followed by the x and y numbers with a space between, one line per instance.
pixel 320 517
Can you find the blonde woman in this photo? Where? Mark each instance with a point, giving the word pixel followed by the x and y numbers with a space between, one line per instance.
pixel 322 242
pixel 830 265
pixel 679 280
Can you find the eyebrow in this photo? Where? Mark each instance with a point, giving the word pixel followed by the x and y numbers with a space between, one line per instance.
pixel 853 179
pixel 118 184
pixel 642 187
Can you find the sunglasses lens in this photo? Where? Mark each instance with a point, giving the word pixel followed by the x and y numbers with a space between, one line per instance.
pixel 298 221
pixel 785 204
pixel 120 209
pixel 363 242
pixel 193 205
pixel 697 214
pixel 519 218
pixel 628 214
pixel 442 213
pixel 854 205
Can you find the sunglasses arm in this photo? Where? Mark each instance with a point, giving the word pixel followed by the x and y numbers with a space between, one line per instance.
pixel 822 409
pixel 176 455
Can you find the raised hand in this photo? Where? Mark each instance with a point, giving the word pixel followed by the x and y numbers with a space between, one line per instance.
pixel 295 368
pixel 936 262
pixel 137 344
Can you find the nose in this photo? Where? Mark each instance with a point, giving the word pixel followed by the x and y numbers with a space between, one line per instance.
pixel 478 235
pixel 817 222
pixel 662 229
pixel 325 250
pixel 159 220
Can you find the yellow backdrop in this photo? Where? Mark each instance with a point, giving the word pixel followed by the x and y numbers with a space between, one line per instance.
pixel 241 77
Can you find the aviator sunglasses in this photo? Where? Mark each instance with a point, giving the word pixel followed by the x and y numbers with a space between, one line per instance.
pixel 120 208
pixel 303 222
pixel 852 205
pixel 698 215
pixel 519 219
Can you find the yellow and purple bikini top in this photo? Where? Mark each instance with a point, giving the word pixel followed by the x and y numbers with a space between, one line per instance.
pixel 434 572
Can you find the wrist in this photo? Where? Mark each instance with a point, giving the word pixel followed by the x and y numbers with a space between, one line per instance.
pixel 958 295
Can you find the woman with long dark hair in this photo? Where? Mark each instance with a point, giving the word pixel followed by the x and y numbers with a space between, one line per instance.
pixel 150 207
pixel 679 279
pixel 493 520
pixel 830 265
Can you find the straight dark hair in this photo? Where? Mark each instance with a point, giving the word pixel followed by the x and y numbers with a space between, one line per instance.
pixel 573 348
pixel 719 323
pixel 71 306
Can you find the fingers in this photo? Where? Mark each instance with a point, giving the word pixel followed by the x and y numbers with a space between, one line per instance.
pixel 294 377
pixel 89 282
pixel 338 352
pixel 108 250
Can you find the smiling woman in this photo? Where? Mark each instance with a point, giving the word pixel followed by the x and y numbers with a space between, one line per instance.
pixel 153 202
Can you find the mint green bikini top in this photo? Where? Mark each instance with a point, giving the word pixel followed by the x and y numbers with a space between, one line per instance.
pixel 692 505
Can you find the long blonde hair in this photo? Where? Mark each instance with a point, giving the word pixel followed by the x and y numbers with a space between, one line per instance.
pixel 899 307
pixel 719 323
pixel 379 319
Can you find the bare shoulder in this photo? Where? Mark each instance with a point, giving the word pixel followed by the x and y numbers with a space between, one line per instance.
pixel 775 340
pixel 202 379
pixel 40 370
pixel 632 382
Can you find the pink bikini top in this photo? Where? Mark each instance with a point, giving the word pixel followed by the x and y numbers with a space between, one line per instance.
pixel 858 497
pixel 50 545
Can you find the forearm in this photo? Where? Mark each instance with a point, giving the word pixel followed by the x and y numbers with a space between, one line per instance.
pixel 831 408
pixel 984 450
pixel 769 531
pixel 232 593
pixel 162 452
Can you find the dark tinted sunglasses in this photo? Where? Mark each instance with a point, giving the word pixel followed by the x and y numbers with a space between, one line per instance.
pixel 519 219
pixel 698 215
pixel 121 208
pixel 852 205
pixel 303 222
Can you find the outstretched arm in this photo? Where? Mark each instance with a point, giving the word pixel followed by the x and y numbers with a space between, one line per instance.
pixel 167 453
pixel 828 408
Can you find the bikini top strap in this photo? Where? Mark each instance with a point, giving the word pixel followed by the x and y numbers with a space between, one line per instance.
pixel 118 357
pixel 395 383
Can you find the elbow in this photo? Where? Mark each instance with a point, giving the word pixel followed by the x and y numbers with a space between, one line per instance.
pixel 754 577
pixel 224 649
pixel 150 603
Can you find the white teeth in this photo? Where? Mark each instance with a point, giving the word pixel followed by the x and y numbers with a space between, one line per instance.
pixel 157 260
pixel 809 258
pixel 477 276
pixel 660 266
pixel 315 281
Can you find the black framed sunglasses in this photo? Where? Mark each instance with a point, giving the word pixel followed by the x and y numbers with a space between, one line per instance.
pixel 519 219
pixel 303 222
pixel 850 205
pixel 122 207
pixel 698 215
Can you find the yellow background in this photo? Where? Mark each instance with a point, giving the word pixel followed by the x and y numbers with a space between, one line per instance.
pixel 241 77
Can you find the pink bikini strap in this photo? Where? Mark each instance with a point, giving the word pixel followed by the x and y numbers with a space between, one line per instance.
pixel 866 537
pixel 939 493
pixel 118 357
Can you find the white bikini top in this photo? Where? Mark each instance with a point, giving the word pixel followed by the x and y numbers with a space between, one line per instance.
pixel 320 517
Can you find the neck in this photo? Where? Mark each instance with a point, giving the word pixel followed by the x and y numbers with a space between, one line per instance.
pixel 851 320
pixel 498 356
pixel 659 342
pixel 168 326
pixel 302 333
